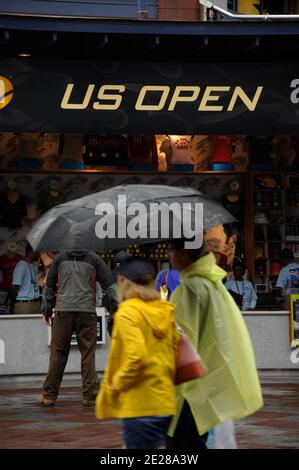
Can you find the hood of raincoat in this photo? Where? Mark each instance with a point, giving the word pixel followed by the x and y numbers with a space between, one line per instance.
pixel 205 267
pixel 157 313
pixel 139 376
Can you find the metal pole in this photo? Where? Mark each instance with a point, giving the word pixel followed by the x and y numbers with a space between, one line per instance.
pixel 208 4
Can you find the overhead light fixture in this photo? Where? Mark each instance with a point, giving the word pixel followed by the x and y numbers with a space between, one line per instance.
pixel 24 54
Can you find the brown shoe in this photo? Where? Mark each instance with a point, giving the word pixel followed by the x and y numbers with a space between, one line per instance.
pixel 88 402
pixel 46 401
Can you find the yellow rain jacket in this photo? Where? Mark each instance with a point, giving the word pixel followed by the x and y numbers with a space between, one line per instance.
pixel 139 377
pixel 212 321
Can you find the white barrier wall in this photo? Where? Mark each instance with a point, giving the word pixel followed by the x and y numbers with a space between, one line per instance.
pixel 24 347
pixel 269 332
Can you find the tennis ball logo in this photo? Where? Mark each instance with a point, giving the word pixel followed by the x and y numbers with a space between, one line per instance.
pixel 6 92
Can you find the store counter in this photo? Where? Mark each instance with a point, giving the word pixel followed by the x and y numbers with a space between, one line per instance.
pixel 269 332
pixel 25 345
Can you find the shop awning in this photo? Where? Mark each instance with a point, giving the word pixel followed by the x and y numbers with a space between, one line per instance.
pixel 148 77
pixel 102 38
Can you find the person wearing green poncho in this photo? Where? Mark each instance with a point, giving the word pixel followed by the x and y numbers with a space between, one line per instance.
pixel 212 321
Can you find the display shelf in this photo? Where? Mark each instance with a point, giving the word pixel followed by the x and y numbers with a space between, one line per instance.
pixel 292 213
pixel 118 171
pixel 269 234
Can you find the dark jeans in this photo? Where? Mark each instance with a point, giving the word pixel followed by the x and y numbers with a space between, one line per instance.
pixel 148 432
pixel 186 434
pixel 64 324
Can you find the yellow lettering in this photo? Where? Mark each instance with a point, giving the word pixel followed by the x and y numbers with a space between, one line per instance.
pixel 239 92
pixel 139 106
pixel 208 97
pixel 177 95
pixel 102 95
pixel 68 91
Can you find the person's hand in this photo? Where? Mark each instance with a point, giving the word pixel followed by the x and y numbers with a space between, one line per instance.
pixel 47 320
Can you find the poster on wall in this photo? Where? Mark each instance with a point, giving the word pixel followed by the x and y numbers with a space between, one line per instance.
pixel 294 320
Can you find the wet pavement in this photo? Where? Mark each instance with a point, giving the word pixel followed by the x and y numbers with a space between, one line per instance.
pixel 24 424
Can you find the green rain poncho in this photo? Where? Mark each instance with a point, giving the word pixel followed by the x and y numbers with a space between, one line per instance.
pixel 214 324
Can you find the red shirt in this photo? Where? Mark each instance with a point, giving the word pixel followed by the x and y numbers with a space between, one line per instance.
pixel 7 265
pixel 222 148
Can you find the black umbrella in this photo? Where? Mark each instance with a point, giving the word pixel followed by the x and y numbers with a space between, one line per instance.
pixel 112 219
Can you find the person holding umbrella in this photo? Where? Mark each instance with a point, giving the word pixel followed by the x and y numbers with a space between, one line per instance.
pixel 212 321
pixel 70 292
pixel 138 384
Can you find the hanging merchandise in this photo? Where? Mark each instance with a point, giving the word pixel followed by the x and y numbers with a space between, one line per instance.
pixel 9 150
pixel 8 262
pixel 267 199
pixel 233 199
pixel 283 152
pixel 143 153
pixel 50 197
pixel 71 151
pixel 274 268
pixel 13 206
pixel 240 157
pixel 201 152
pixel 222 154
pixel 259 252
pixel 29 142
pixel 260 267
pixel 105 150
pixel 294 164
pixel 260 218
pixel 268 181
pixel 260 152
pixel 178 152
pixel 48 151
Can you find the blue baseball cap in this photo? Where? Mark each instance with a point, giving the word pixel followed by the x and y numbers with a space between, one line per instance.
pixel 138 270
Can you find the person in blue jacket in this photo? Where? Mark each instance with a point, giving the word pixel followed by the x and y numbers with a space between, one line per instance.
pixel 166 282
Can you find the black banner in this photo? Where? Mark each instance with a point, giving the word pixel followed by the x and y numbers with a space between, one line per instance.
pixel 38 95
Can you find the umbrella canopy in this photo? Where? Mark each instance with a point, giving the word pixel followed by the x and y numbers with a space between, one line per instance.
pixel 122 215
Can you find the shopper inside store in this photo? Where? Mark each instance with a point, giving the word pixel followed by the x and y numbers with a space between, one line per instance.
pixel 241 289
pixel 288 278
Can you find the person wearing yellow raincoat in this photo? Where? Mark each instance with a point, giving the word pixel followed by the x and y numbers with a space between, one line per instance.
pixel 213 322
pixel 138 384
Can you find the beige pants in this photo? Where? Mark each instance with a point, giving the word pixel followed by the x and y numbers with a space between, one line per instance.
pixel 27 308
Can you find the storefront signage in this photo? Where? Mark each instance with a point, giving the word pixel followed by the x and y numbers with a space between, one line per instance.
pixel 137 97
pixel 294 320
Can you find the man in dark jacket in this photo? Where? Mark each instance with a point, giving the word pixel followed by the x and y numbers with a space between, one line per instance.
pixel 70 293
